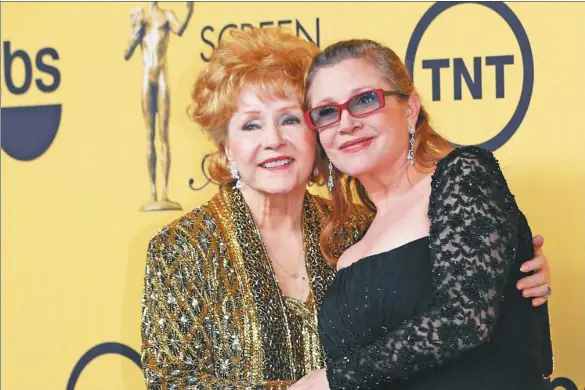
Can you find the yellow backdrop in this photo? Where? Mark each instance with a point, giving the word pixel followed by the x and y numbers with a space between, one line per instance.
pixel 74 240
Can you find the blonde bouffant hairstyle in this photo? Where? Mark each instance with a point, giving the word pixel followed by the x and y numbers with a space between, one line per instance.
pixel 271 60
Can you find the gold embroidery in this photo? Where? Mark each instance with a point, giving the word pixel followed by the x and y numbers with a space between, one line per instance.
pixel 213 314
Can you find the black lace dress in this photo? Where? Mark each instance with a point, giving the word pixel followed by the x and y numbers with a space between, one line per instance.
pixel 443 311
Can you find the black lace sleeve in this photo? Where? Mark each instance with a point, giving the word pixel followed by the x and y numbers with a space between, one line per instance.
pixel 473 240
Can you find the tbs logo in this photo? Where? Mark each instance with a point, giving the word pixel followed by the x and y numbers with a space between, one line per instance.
pixel 28 131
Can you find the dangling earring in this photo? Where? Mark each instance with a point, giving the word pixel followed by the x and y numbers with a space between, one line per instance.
pixel 316 172
pixel 330 180
pixel 235 175
pixel 410 155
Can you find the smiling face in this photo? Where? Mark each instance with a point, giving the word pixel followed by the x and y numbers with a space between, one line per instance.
pixel 362 146
pixel 373 143
pixel 270 144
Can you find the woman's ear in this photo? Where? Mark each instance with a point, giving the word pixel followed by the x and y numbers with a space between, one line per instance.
pixel 413 108
pixel 227 151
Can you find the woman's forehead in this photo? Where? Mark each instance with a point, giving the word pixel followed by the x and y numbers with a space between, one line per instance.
pixel 340 81
pixel 268 97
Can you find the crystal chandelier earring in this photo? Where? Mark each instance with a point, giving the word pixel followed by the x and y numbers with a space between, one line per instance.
pixel 330 180
pixel 410 155
pixel 235 175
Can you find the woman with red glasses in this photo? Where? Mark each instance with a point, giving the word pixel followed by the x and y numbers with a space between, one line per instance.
pixel 428 298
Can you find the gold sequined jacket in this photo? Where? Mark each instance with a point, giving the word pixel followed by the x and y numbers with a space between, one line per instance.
pixel 213 315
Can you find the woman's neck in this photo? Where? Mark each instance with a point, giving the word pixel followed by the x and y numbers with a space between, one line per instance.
pixel 275 212
pixel 389 184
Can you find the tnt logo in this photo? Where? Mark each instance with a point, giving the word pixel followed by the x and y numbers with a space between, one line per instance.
pixel 28 131
pixel 461 74
pixel 474 68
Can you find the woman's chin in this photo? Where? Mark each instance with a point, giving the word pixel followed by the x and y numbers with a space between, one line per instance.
pixel 356 170
pixel 280 187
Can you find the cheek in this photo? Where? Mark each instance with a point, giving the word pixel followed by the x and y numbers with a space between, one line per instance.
pixel 242 152
pixel 326 138
pixel 305 143
pixel 391 127
pixel 310 143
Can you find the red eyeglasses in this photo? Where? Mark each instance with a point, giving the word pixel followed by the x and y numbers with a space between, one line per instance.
pixel 358 106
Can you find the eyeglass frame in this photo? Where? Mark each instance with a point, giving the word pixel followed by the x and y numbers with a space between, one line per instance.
pixel 382 94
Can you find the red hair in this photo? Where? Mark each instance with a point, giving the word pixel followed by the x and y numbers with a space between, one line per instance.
pixel 271 60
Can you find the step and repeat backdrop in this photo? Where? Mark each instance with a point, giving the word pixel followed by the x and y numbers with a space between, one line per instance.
pixel 76 217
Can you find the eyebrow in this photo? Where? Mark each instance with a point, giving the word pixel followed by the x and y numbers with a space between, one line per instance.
pixel 293 107
pixel 352 93
pixel 251 112
pixel 285 108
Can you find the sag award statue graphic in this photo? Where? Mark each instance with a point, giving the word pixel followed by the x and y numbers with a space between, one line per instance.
pixel 151 30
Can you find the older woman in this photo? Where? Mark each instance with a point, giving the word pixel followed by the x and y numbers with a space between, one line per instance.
pixel 431 287
pixel 232 288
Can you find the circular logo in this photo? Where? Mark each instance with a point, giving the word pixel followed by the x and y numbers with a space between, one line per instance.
pixel 527 61
pixel 97 351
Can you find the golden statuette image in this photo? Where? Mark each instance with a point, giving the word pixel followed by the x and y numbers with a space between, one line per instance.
pixel 151 29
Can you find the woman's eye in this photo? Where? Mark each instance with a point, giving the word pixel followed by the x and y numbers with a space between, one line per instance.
pixel 366 98
pixel 327 111
pixel 290 120
pixel 250 126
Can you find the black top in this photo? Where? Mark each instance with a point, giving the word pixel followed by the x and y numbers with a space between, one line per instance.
pixel 443 311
